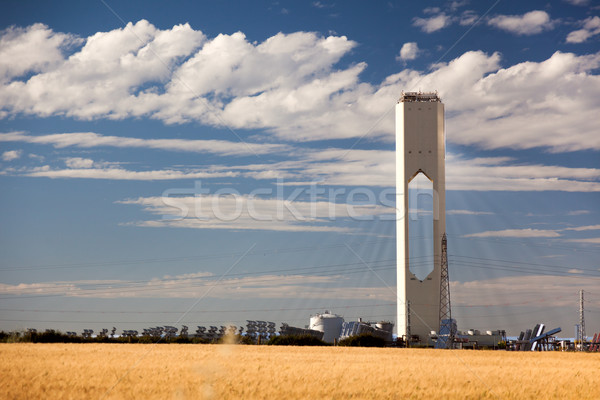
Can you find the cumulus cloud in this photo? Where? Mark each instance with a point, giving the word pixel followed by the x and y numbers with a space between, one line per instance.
pixel 409 51
pixel 591 27
pixel 11 155
pixel 291 87
pixel 33 49
pixel 432 24
pixel 516 233
pixel 527 24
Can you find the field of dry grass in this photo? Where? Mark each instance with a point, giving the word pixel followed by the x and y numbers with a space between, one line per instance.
pixel 135 371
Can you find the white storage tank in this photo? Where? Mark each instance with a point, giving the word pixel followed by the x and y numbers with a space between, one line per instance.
pixel 328 323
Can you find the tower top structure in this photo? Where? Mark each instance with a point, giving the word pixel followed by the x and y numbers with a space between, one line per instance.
pixel 412 97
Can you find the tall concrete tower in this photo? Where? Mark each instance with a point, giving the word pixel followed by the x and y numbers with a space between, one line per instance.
pixel 420 148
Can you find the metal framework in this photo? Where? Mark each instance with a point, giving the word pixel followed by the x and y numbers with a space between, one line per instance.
pixel 445 309
pixel 447 324
pixel 581 337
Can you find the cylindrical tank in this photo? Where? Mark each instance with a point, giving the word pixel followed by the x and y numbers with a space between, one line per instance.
pixel 329 324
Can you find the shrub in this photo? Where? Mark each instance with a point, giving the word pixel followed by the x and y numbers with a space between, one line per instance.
pixel 296 340
pixel 363 340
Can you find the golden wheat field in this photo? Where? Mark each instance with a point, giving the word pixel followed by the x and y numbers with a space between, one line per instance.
pixel 171 371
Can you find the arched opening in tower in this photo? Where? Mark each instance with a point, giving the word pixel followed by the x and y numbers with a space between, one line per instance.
pixel 420 226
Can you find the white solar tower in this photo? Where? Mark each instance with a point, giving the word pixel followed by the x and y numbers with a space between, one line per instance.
pixel 420 148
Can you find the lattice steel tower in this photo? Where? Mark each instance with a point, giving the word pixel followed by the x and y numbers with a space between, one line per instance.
pixel 582 337
pixel 447 324
pixel 445 309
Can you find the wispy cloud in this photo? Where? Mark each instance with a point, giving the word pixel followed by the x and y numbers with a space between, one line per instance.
pixel 433 23
pixel 88 140
pixel 584 228
pixel 590 27
pixel 195 285
pixel 595 240
pixel 468 212
pixel 523 290
pixel 516 233
pixel 578 212
pixel 357 168
pixel 234 211
pixel 114 173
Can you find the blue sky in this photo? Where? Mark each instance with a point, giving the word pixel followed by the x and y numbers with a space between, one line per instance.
pixel 145 150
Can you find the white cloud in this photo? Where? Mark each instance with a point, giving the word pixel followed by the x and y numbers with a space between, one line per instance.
pixel 409 51
pixel 371 168
pixel 235 211
pixel 36 157
pixel 289 86
pixel 584 228
pixel 578 2
pixel 91 139
pixel 575 271
pixel 516 233
pixel 318 4
pixel 468 212
pixel 432 24
pixel 78 162
pixel 11 155
pixel 33 49
pixel 86 169
pixel 102 78
pixel 545 290
pixel 524 106
pixel 203 284
pixel 468 17
pixel 527 24
pixel 498 173
pixel 586 240
pixel 333 167
pixel 591 27
pixel 578 212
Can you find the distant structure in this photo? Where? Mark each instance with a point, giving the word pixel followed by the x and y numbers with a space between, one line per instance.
pixel 582 338
pixel 381 329
pixel 328 323
pixel 287 330
pixel 420 148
